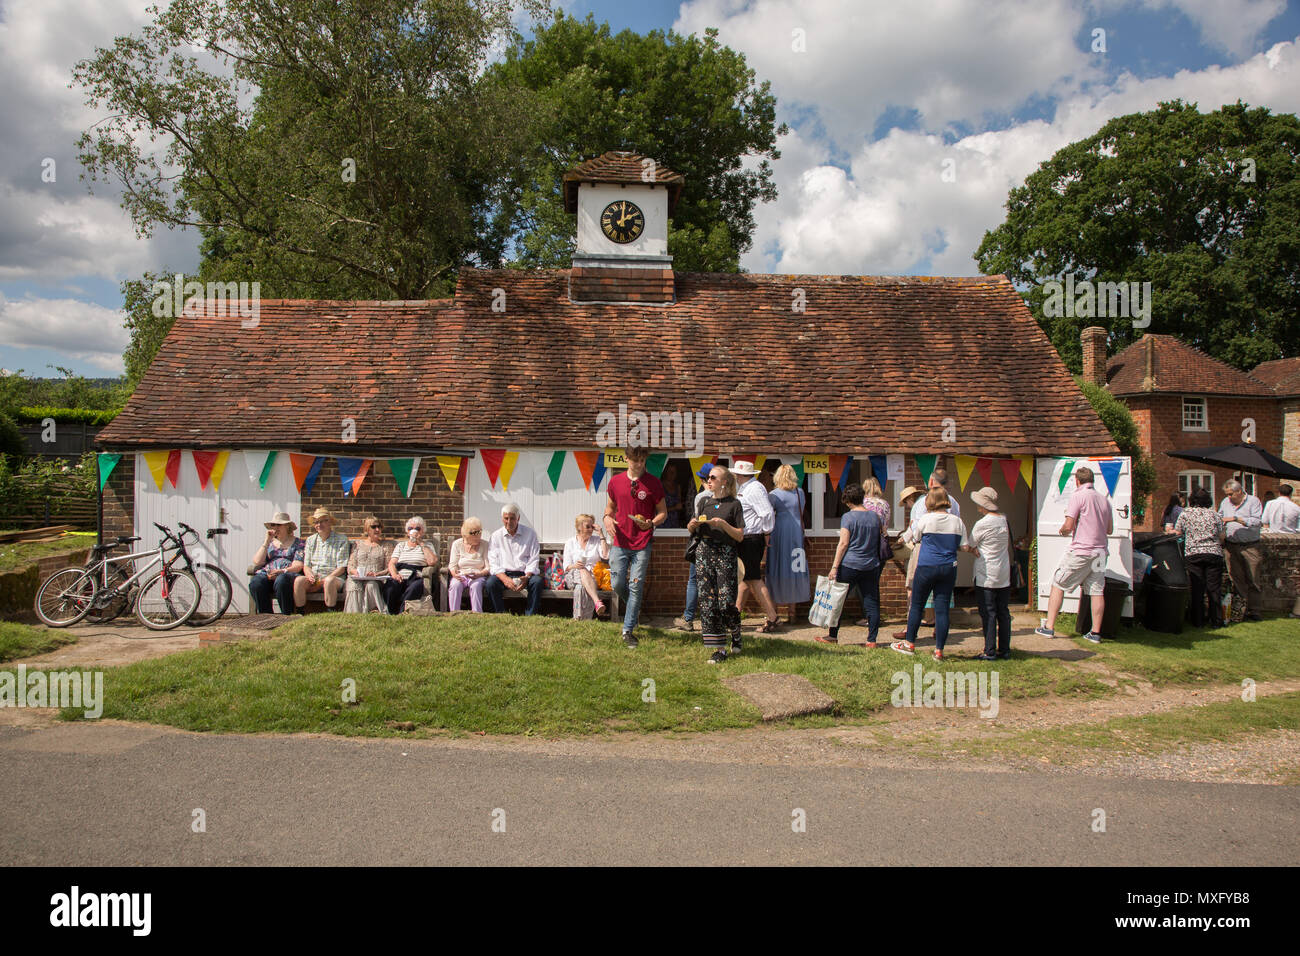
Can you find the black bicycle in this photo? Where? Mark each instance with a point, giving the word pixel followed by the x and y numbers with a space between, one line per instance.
pixel 214 583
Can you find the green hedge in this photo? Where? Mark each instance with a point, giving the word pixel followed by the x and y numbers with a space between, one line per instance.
pixel 91 416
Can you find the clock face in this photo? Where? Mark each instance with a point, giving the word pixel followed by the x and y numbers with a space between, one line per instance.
pixel 622 221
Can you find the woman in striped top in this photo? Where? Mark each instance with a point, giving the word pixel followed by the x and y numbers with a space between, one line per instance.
pixel 939 534
pixel 408 559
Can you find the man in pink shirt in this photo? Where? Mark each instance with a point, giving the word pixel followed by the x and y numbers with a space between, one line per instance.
pixel 1088 517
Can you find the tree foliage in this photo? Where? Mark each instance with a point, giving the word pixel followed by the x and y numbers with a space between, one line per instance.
pixel 1117 418
pixel 687 102
pixel 1204 206
pixel 326 149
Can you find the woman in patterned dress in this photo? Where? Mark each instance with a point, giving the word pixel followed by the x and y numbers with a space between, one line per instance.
pixel 720 525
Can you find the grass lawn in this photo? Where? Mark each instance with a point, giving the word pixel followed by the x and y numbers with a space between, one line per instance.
pixel 22 553
pixel 504 675
pixel 1261 650
pixel 22 640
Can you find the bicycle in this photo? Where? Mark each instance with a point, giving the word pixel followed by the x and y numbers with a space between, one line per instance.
pixel 215 589
pixel 163 601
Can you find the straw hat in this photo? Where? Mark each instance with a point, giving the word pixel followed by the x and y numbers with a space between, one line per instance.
pixel 985 498
pixel 279 518
pixel 911 491
pixel 321 513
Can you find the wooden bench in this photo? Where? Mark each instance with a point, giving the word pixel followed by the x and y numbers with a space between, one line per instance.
pixel 567 594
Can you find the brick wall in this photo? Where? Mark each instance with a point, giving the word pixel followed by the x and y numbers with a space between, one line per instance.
pixel 1281 572
pixel 1290 424
pixel 1160 423
pixel 119 499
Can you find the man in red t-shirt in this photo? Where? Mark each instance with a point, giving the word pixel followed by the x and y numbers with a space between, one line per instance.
pixel 635 508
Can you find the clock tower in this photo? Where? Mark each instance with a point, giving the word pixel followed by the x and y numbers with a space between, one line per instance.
pixel 623 201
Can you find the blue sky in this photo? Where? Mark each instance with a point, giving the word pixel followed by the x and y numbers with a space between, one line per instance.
pixel 881 96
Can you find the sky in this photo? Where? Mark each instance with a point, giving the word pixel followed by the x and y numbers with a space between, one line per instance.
pixel 909 124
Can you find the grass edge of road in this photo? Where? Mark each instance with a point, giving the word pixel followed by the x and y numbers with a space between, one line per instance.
pixel 18 641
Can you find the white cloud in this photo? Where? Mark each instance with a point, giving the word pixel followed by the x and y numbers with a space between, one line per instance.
pixel 1230 25
pixel 891 212
pixel 87 332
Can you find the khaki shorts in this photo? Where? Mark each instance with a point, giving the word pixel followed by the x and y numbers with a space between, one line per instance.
pixel 1081 570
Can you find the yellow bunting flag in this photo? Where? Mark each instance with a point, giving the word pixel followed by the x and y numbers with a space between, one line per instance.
pixel 450 465
pixel 507 468
pixel 219 469
pixel 1026 468
pixel 157 462
pixel 758 463
pixel 965 464
pixel 816 464
pixel 698 462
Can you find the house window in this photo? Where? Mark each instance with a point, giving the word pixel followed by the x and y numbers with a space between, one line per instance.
pixel 1189 481
pixel 1247 480
pixel 832 508
pixel 1194 417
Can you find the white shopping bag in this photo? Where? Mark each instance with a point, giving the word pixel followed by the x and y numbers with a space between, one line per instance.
pixel 827 603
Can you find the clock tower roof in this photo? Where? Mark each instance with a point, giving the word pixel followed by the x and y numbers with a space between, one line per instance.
pixel 624 168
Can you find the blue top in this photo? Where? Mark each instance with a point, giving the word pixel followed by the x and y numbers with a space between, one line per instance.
pixel 940 534
pixel 864 540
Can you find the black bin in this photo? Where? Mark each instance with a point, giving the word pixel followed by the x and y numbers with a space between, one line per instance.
pixel 1167 566
pixel 1117 590
pixel 1166 607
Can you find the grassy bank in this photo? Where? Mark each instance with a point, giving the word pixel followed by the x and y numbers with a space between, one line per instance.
pixel 22 553
pixel 22 640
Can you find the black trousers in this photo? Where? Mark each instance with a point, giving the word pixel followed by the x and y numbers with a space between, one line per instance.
pixel 995 614
pixel 1205 573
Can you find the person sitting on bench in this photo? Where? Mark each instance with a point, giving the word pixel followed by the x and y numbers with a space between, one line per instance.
pixel 514 562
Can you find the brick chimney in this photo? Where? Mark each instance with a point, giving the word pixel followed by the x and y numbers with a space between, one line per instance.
pixel 1094 355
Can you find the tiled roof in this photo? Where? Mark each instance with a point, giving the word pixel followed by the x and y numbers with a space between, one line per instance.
pixel 1281 375
pixel 871 365
pixel 619 167
pixel 1179 368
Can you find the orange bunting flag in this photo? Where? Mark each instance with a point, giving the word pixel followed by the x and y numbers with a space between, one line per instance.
pixel 586 464
pixel 362 472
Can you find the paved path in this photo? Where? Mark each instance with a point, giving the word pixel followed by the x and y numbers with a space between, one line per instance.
pixel 119 794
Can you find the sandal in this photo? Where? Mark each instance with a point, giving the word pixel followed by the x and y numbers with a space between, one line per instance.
pixel 938 655
pixel 769 627
pixel 903 647
pixel 602 612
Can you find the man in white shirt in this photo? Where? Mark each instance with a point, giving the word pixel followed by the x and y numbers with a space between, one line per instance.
pixel 514 563
pixel 1243 516
pixel 760 519
pixel 1282 515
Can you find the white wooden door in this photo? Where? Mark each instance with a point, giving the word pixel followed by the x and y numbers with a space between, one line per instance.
pixel 240 506
pixel 1052 545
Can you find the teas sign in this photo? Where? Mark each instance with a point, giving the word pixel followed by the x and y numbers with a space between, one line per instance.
pixel 615 458
pixel 816 464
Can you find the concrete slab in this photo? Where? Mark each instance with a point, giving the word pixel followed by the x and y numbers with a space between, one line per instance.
pixel 779 696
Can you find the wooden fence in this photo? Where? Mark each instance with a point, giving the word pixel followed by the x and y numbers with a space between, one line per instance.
pixel 38 503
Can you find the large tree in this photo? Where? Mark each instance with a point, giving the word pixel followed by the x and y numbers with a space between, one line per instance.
pixel 351 149
pixel 688 102
pixel 1204 206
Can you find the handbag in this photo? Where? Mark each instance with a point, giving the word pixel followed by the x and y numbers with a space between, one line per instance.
pixel 885 550
pixel 691 549
pixel 828 602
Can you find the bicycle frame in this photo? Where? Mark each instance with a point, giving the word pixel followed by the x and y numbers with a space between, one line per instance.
pixel 157 556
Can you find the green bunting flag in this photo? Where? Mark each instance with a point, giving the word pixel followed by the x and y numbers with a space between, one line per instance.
pixel 1065 475
pixel 107 463
pixel 926 464
pixel 555 467
pixel 656 463
pixel 404 471
pixel 797 465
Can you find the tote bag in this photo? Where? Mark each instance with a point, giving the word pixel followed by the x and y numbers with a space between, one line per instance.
pixel 827 602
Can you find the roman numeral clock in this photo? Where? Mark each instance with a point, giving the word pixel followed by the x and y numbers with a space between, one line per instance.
pixel 622 221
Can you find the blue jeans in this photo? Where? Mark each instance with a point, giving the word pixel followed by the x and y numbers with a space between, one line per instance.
pixel 261 588
pixel 939 579
pixel 692 596
pixel 867 581
pixel 629 584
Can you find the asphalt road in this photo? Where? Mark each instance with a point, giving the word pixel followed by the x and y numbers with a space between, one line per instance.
pixel 100 794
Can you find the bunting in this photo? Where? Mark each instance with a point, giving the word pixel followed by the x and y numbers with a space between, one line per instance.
pixel 1026 468
pixel 840 465
pixel 306 468
pixel 925 463
pixel 492 458
pixel 174 466
pixel 404 471
pixel 450 466
pixel 599 471
pixel 985 468
pixel 759 462
pixel 797 465
pixel 1066 465
pixel 107 462
pixel 965 465
pixel 879 469
pixel 258 464
pixel 554 469
pixel 1110 469
pixel 1010 471
pixel 698 462
pixel 656 463
pixel 157 462
pixel 352 472
pixel 508 468
pixel 586 461
pixel 210 465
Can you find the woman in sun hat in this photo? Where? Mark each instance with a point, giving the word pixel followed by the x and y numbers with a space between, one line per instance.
pixel 990 542
pixel 277 562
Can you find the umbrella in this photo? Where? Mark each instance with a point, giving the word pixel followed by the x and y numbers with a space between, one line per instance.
pixel 1245 456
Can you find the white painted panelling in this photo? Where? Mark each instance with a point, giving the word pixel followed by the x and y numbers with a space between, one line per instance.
pixel 246 507
pixel 548 512
pixel 1052 545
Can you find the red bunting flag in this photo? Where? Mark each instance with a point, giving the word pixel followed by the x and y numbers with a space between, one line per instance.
pixel 492 459
pixel 203 462
pixel 173 466
pixel 1010 471
pixel 985 467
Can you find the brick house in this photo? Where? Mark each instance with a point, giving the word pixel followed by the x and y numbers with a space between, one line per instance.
pixel 534 360
pixel 1182 398
pixel 1283 376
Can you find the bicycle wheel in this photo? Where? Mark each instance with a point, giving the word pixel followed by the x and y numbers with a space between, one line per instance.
pixel 114 608
pixel 65 597
pixel 214 596
pixel 162 608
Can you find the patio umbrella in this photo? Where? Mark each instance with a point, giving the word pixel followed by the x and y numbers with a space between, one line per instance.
pixel 1245 456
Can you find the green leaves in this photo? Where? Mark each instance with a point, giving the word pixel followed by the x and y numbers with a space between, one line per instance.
pixel 1205 206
